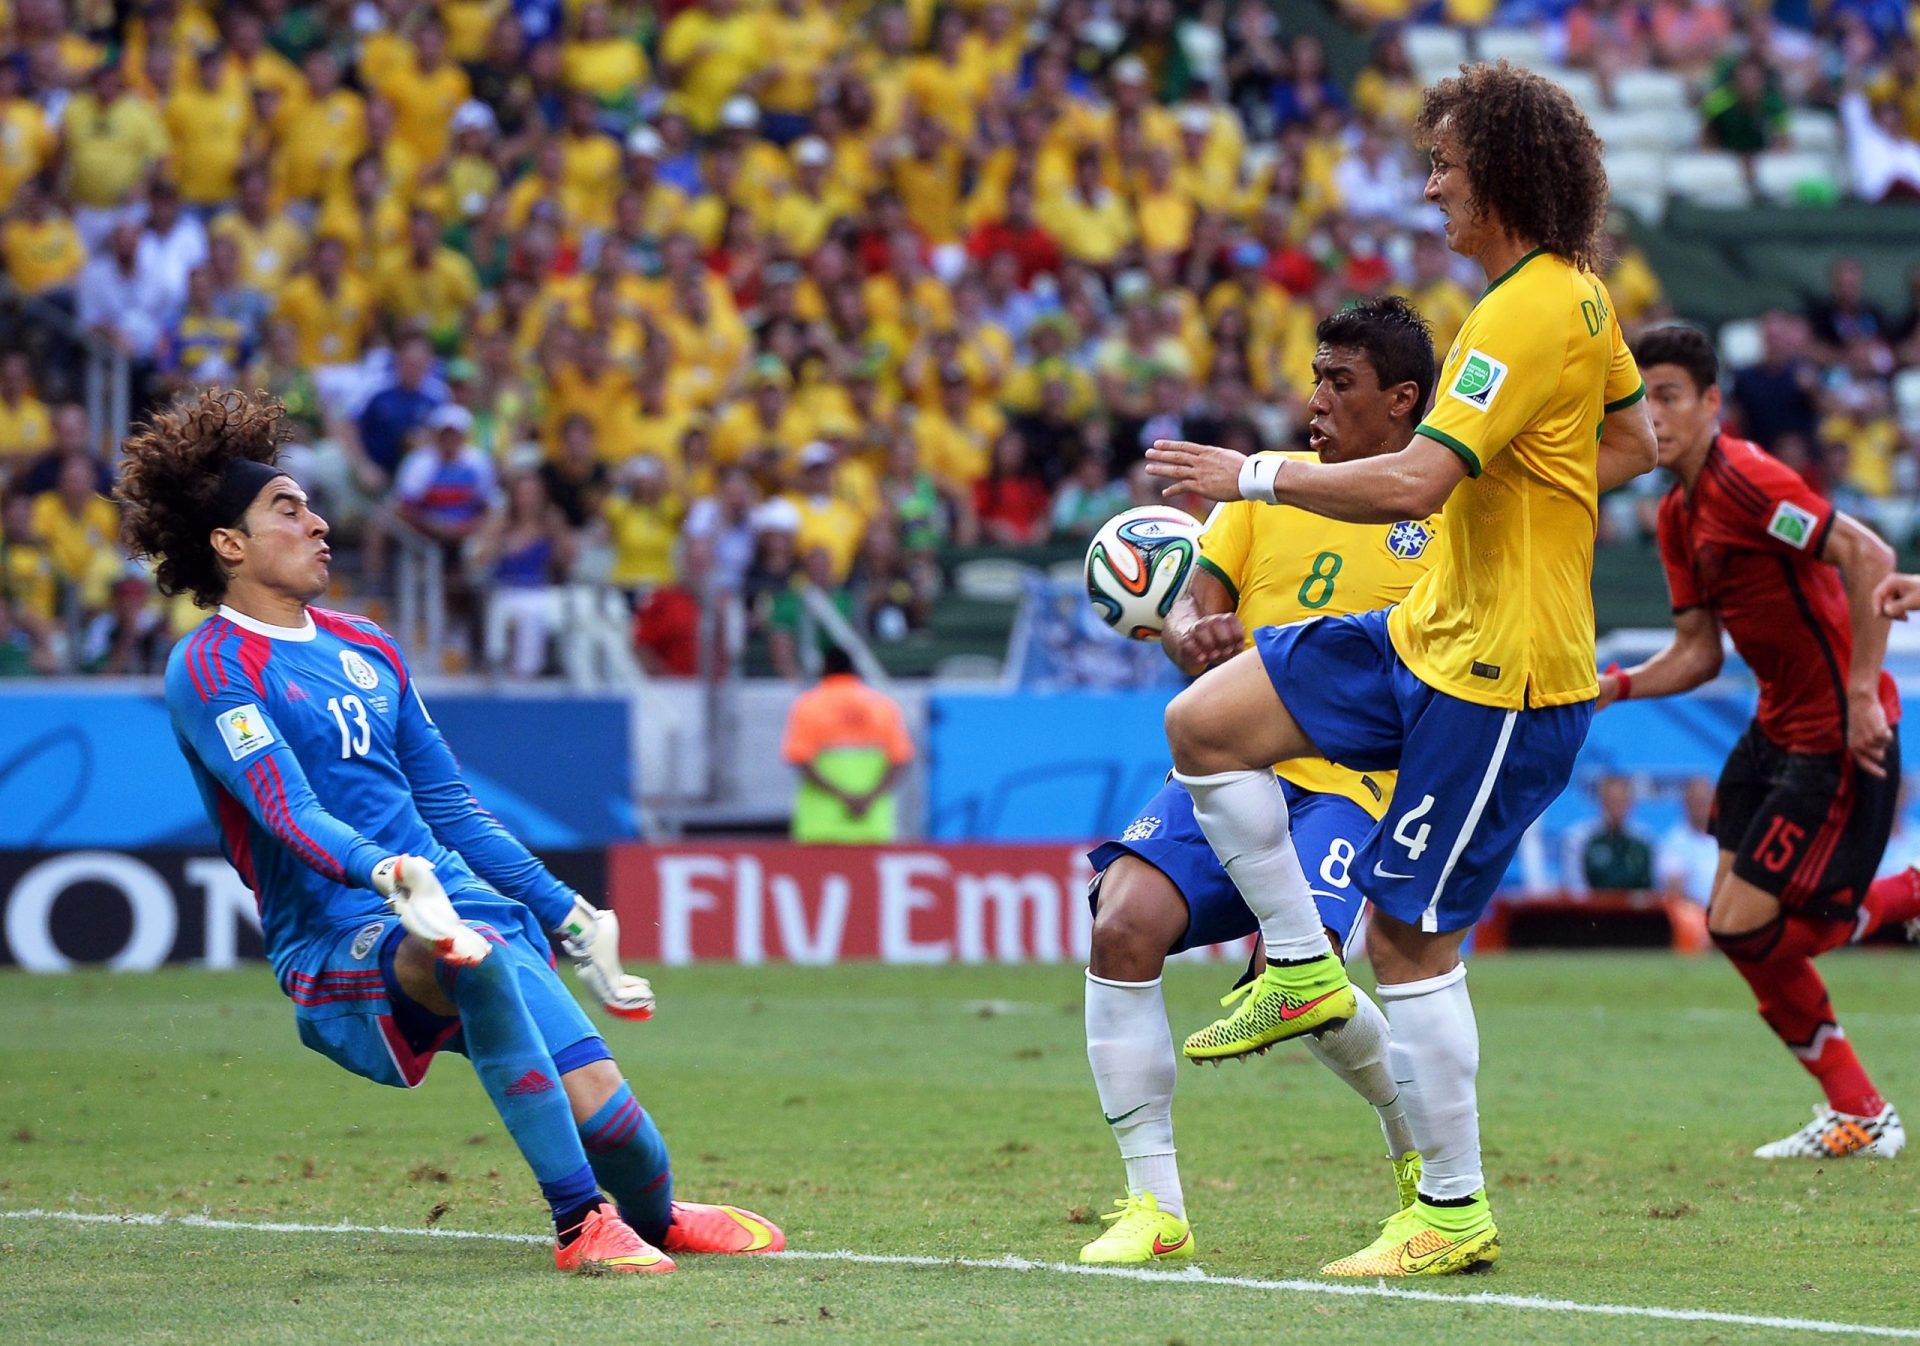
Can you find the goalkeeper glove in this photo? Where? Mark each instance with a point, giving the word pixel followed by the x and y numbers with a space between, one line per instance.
pixel 414 894
pixel 591 937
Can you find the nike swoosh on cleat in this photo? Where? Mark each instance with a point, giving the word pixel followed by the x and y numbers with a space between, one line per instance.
pixel 1115 1121
pixel 1420 1262
pixel 1162 1249
pixel 1288 1015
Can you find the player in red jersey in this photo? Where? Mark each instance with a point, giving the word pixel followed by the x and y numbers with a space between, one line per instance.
pixel 1807 799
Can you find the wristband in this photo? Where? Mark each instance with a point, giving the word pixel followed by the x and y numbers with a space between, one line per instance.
pixel 1258 476
pixel 1624 678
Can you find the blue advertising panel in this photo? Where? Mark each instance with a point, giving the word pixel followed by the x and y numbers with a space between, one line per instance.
pixel 1077 765
pixel 85 768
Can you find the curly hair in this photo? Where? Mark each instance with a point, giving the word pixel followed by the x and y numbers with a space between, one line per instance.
pixel 170 477
pixel 1530 154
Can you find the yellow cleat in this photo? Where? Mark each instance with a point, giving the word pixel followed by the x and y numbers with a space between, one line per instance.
pixel 1425 1240
pixel 1281 1003
pixel 1141 1233
pixel 1406 1177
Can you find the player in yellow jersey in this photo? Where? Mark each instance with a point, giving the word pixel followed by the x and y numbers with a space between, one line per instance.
pixel 1479 687
pixel 1159 889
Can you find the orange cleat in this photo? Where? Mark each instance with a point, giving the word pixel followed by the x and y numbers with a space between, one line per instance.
pixel 721 1229
pixel 607 1245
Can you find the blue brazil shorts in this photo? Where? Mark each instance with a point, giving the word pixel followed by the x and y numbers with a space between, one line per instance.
pixel 1472 778
pixel 1328 831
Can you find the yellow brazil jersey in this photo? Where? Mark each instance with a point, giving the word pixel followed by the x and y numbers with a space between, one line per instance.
pixel 1285 565
pixel 209 129
pixel 331 329
pixel 27 144
pixel 323 138
pixel 1505 617
pixel 44 256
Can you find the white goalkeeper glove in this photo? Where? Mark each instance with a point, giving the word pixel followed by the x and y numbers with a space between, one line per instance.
pixel 414 894
pixel 591 937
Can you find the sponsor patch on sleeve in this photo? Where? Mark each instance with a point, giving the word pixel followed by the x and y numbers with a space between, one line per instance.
pixel 1478 381
pixel 244 730
pixel 1792 524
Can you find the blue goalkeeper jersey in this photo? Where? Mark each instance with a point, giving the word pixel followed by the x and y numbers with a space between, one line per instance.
pixel 316 759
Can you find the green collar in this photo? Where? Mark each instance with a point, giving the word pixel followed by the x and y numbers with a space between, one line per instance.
pixel 1506 275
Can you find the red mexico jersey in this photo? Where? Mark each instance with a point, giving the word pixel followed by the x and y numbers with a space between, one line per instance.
pixel 1745 543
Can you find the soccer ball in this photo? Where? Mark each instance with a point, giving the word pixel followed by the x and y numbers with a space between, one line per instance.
pixel 1138 564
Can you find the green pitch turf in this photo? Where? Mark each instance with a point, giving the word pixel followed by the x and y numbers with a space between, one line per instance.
pixel 949 1114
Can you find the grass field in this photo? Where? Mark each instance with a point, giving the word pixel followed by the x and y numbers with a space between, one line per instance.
pixel 946 1115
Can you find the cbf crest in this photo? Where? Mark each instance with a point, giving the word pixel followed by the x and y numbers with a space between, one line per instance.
pixel 1408 540
pixel 359 672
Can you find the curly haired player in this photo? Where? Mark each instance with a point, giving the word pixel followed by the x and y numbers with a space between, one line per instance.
pixel 1479 686
pixel 1806 802
pixel 400 918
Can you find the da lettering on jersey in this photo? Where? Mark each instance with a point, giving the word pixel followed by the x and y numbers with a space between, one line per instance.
pixel 244 730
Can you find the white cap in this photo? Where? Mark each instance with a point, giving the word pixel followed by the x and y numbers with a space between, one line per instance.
pixel 473 115
pixel 645 141
pixel 452 416
pixel 812 151
pixel 778 515
pixel 817 454
pixel 739 113
pixel 1130 70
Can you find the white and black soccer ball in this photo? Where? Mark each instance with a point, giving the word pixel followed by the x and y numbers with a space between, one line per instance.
pixel 1138 565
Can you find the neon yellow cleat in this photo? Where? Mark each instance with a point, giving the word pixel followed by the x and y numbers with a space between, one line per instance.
pixel 1425 1240
pixel 1281 1003
pixel 1141 1233
pixel 1406 1177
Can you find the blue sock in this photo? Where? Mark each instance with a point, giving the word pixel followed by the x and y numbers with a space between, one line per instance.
pixel 518 1074
pixel 630 1160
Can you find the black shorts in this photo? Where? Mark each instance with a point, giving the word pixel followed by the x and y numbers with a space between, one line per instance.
pixel 1809 828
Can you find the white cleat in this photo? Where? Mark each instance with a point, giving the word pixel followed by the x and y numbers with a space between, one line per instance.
pixel 1835 1135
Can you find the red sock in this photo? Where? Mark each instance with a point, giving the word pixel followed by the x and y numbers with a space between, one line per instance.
pixel 1894 900
pixel 1811 936
pixel 1794 1003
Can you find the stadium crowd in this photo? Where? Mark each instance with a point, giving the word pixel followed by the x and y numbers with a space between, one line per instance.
pixel 727 296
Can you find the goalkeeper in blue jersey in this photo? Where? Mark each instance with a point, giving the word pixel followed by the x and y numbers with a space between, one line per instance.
pixel 400 917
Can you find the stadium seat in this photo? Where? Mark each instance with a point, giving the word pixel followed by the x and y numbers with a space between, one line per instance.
pixel 1636 90
pixel 1519 46
pixel 993 578
pixel 1906 399
pixel 969 668
pixel 1434 50
pixel 1780 175
pixel 1637 180
pixel 1740 344
pixel 1643 130
pixel 1813 129
pixel 1708 178
pixel 1583 86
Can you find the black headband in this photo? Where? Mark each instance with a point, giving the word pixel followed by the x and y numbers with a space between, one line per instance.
pixel 240 482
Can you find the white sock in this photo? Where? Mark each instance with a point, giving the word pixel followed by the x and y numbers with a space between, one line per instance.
pixel 1130 1049
pixel 1356 1051
pixel 1244 816
pixel 1435 1056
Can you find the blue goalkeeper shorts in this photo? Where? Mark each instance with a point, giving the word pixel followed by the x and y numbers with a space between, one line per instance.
pixel 1328 831
pixel 349 1007
pixel 1472 778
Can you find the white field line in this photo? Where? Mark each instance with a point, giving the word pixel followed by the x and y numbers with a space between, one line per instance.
pixel 1190 1277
